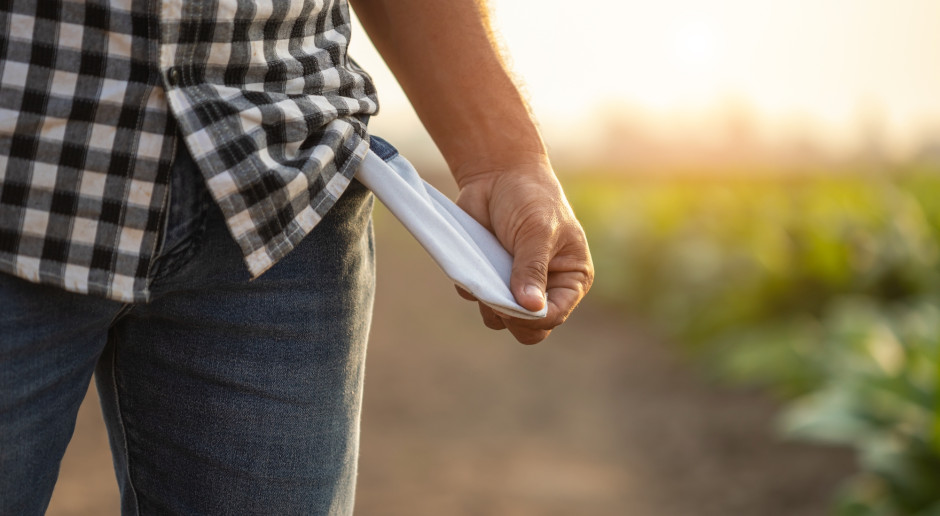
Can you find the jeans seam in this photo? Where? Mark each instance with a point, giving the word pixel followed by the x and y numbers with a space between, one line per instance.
pixel 120 416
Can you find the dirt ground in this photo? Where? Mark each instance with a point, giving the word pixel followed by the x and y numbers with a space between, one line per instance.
pixel 601 419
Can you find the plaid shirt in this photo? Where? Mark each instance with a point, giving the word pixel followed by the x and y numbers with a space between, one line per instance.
pixel 93 94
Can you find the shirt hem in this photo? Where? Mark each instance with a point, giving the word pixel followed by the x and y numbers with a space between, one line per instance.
pixel 284 243
pixel 99 290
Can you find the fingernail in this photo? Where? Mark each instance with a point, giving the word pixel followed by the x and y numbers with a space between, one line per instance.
pixel 532 290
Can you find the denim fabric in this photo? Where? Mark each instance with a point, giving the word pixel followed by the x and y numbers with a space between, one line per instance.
pixel 382 148
pixel 222 395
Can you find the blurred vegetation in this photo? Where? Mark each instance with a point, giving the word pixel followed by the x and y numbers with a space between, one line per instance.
pixel 823 288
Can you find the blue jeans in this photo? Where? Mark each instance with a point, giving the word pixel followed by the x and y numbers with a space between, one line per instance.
pixel 222 395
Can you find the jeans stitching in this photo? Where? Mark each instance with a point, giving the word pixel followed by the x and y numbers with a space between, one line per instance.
pixel 120 420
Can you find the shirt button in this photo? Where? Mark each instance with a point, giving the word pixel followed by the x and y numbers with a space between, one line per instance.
pixel 173 76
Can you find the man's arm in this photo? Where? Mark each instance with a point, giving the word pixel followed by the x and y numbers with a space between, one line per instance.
pixel 445 59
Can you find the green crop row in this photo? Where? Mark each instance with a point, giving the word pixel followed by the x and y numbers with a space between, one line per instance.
pixel 824 289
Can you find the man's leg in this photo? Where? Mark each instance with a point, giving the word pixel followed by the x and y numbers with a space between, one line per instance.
pixel 225 396
pixel 50 341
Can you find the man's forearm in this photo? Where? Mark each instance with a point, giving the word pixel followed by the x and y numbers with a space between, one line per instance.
pixel 442 52
pixel 444 57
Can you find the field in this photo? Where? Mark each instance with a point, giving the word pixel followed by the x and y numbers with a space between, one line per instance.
pixel 820 287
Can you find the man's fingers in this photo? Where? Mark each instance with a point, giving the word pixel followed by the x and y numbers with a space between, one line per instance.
pixel 464 294
pixel 562 296
pixel 565 291
pixel 528 336
pixel 561 300
pixel 490 319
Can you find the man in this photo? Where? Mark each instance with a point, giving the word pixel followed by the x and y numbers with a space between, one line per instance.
pixel 177 213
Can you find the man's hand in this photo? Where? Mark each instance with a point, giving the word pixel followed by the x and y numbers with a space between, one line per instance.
pixel 527 210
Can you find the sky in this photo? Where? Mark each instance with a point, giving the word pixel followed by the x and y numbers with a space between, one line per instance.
pixel 821 66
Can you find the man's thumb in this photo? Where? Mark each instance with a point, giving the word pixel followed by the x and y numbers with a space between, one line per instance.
pixel 530 275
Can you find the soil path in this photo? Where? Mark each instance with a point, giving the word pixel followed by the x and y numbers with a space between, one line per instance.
pixel 599 420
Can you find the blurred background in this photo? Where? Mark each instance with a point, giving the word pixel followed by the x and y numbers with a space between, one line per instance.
pixel 760 185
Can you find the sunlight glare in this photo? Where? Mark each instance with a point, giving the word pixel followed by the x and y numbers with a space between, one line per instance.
pixel 803 60
pixel 695 45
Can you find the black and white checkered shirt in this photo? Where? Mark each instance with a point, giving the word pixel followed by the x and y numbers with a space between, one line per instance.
pixel 93 94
